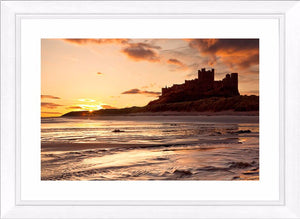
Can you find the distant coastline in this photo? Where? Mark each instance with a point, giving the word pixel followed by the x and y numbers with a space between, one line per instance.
pixel 238 105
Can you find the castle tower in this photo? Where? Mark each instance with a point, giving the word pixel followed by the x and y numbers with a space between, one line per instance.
pixel 227 84
pixel 234 80
pixel 206 78
pixel 208 75
pixel 201 74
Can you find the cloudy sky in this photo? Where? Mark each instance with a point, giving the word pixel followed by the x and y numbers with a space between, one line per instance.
pixel 91 74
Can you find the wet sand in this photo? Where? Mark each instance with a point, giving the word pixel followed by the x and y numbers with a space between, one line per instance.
pixel 48 147
pixel 127 162
pixel 151 148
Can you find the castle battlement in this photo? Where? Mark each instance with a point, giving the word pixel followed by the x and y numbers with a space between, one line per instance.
pixel 202 87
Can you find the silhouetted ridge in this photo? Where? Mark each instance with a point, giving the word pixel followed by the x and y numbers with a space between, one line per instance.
pixel 213 104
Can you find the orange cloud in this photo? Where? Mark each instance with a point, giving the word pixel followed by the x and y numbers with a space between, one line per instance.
pixel 175 62
pixel 99 73
pixel 138 91
pixel 51 113
pixel 74 107
pixel 238 54
pixel 142 52
pixel 177 65
pixel 96 41
pixel 50 105
pixel 49 97
pixel 145 45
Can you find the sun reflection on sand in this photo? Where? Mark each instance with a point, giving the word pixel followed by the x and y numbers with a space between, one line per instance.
pixel 148 149
pixel 126 158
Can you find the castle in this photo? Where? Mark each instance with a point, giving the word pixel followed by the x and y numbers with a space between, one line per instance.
pixel 202 87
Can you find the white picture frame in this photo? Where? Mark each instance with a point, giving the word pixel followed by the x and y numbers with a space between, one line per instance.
pixel 287 13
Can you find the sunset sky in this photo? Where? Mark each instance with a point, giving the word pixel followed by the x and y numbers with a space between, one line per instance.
pixel 91 74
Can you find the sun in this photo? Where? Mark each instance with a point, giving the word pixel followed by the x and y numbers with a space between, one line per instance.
pixel 90 107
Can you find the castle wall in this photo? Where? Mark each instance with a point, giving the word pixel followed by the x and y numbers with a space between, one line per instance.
pixel 218 84
pixel 205 86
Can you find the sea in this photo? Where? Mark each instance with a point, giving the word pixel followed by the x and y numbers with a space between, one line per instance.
pixel 222 147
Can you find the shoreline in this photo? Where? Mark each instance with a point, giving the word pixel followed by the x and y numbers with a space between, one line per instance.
pixel 48 147
pixel 168 113
pixel 167 118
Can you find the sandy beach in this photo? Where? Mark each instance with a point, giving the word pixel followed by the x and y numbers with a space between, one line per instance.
pixel 151 148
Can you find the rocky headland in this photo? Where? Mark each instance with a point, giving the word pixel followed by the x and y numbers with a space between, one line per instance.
pixel 213 105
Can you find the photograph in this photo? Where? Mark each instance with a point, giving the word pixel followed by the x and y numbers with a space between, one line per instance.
pixel 115 109
pixel 150 109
